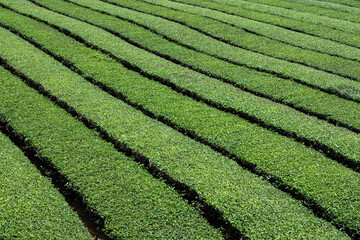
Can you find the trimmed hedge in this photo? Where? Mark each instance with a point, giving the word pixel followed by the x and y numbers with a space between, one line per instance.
pixel 132 203
pixel 109 72
pixel 299 33
pixel 30 207
pixel 178 155
pixel 254 206
pixel 313 18
pixel 317 7
pixel 213 47
pixel 349 3
pixel 279 89
pixel 272 48
pixel 289 92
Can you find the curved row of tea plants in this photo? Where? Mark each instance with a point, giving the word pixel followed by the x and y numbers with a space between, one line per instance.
pixel 276 89
pixel 199 134
pixel 238 37
pixel 140 135
pixel 350 3
pixel 317 7
pixel 315 18
pixel 110 72
pixel 29 205
pixel 131 201
pixel 280 28
pixel 285 36
pixel 233 54
pixel 319 103
pixel 242 196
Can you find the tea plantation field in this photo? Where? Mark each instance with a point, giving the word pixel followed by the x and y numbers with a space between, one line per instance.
pixel 180 119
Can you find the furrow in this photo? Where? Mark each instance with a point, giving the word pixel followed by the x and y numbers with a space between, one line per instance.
pixel 283 140
pixel 313 7
pixel 210 213
pixel 252 118
pixel 214 217
pixel 329 38
pixel 90 218
pixel 290 14
pixel 327 5
pixel 343 3
pixel 248 30
pixel 332 91
pixel 254 181
pixel 347 76
pixel 209 74
pixel 27 196
pixel 328 91
pixel 226 41
pixel 177 61
pixel 322 148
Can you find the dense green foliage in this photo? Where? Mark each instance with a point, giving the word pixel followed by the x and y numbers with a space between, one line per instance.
pixel 317 19
pixel 347 88
pixel 214 47
pixel 232 34
pixel 277 88
pixel 308 35
pixel 108 71
pixel 316 7
pixel 30 208
pixel 342 141
pixel 131 201
pixel 182 158
pixel 177 85
pixel 350 3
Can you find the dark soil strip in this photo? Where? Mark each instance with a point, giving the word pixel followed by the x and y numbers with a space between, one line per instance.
pixel 287 17
pixel 90 218
pixel 297 10
pixel 307 4
pixel 348 5
pixel 275 181
pixel 252 32
pixel 273 24
pixel 276 74
pixel 219 39
pixel 214 217
pixel 168 83
pixel 329 152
